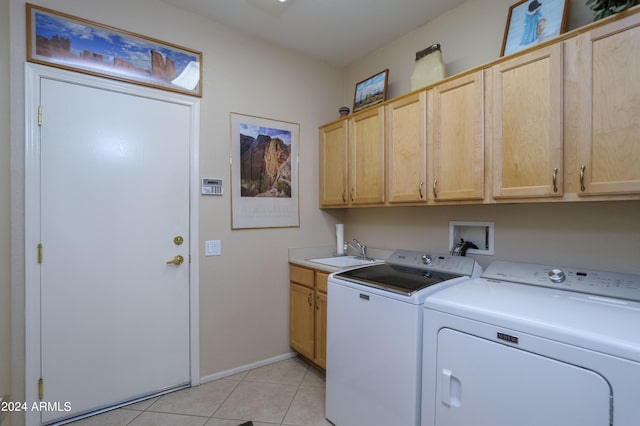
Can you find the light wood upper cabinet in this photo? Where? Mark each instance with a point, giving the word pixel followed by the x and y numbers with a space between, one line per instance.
pixel 366 157
pixel 559 121
pixel 406 129
pixel 527 125
pixel 333 164
pixel 608 142
pixel 458 139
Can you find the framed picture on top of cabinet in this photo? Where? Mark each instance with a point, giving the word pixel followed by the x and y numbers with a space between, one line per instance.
pixel 63 41
pixel 371 91
pixel 530 22
pixel 264 173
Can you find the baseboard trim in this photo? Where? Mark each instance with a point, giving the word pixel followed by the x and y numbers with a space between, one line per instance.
pixel 243 368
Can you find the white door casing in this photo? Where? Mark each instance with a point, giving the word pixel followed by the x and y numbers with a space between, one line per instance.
pixel 107 127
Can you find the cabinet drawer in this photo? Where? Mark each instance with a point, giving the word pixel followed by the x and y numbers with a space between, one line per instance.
pixel 302 276
pixel 321 281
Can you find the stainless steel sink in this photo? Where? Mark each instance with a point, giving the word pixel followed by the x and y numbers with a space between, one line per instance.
pixel 345 261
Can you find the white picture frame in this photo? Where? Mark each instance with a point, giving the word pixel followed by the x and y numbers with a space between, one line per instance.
pixel 264 172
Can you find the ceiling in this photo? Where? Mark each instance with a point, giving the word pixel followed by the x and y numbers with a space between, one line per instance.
pixel 335 31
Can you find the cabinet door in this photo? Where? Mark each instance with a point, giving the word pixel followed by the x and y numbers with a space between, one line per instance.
pixel 527 126
pixel 333 164
pixel 301 326
pixel 321 330
pixel 366 160
pixel 320 356
pixel 458 147
pixel 407 148
pixel 609 119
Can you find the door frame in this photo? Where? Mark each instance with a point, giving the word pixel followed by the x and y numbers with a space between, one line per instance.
pixel 33 74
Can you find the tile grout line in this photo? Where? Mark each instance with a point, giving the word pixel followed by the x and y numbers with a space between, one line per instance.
pixel 245 378
pixel 226 398
pixel 306 371
pixel 138 415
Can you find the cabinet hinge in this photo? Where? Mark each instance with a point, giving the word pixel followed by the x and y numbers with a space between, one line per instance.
pixel 39 115
pixel 40 389
pixel 40 253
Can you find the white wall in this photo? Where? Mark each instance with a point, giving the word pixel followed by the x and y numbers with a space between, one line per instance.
pixel 470 35
pixel 5 211
pixel 244 301
pixel 595 235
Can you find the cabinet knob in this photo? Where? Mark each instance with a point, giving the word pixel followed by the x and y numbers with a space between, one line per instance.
pixel 582 169
pixel 555 179
pixel 435 190
pixel 420 189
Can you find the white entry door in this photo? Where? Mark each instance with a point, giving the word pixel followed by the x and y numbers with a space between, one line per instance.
pixel 114 210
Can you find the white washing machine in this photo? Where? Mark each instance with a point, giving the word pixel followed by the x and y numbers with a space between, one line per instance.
pixel 533 345
pixel 374 336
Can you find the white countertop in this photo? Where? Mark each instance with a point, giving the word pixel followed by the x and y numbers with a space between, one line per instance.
pixel 301 255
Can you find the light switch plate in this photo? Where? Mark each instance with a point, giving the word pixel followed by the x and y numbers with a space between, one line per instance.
pixel 212 248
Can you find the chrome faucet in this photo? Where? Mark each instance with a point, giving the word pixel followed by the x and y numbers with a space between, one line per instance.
pixel 361 249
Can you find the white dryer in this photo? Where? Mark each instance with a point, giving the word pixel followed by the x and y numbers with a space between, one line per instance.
pixel 533 345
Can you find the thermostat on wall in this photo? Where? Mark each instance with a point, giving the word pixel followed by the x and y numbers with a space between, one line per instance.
pixel 212 187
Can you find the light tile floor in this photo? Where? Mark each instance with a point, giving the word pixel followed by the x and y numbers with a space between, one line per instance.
pixel 288 392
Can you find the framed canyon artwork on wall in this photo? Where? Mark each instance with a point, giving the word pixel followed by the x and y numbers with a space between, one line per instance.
pixel 264 173
pixel 63 41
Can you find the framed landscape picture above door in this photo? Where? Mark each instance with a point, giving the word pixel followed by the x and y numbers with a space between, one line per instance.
pixel 63 41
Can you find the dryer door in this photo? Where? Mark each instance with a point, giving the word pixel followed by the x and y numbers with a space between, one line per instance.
pixel 481 382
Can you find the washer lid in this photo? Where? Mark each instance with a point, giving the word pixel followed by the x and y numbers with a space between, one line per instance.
pixel 398 279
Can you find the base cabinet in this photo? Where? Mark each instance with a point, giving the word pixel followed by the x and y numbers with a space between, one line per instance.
pixel 308 314
pixel 301 329
pixel 320 337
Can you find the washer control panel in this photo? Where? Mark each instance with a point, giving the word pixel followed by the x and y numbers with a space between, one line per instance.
pixel 435 262
pixel 601 283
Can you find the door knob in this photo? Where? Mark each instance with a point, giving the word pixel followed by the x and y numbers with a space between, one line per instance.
pixel 176 260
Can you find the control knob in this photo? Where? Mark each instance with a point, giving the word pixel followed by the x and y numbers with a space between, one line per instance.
pixel 427 259
pixel 557 275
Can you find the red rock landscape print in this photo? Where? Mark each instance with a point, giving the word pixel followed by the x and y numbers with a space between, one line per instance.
pixel 265 162
pixel 78 44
